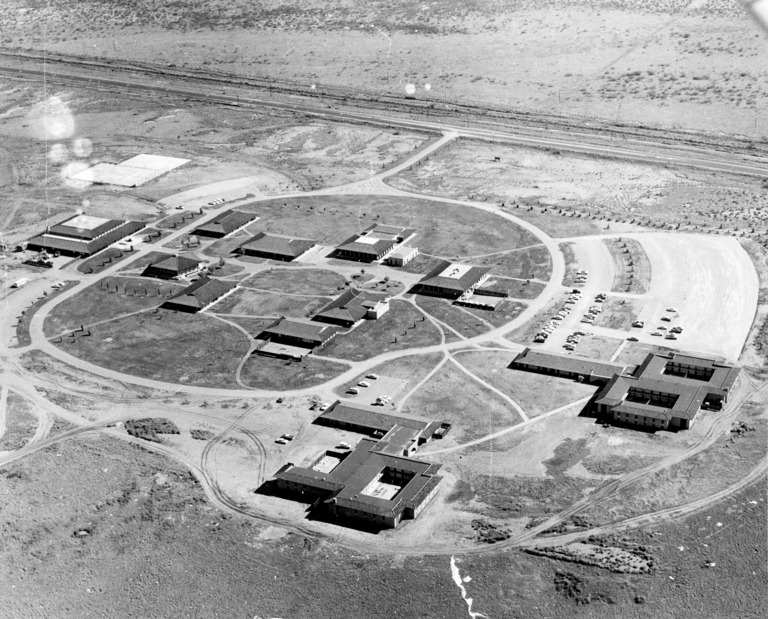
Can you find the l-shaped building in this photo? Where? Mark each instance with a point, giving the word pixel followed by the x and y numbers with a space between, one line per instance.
pixel 666 391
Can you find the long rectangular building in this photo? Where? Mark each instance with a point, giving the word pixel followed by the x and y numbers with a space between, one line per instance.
pixel 83 235
pixel 451 280
pixel 568 366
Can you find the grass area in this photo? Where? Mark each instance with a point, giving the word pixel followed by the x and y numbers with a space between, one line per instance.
pixel 633 269
pixel 729 459
pixel 463 322
pixel 292 280
pixel 103 260
pixel 20 423
pixel 263 372
pixel 224 248
pixel 530 263
pixel 182 218
pixel 515 288
pixel 23 337
pixel 532 497
pixel 618 313
pixel 534 393
pixel 597 347
pixel 256 303
pixel 420 265
pixel 444 229
pixel 557 225
pixel 571 265
pixel 402 327
pixel 107 299
pixel 452 396
pixel 192 349
pixel 407 371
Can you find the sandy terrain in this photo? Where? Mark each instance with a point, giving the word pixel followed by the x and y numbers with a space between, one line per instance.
pixel 634 60
pixel 712 284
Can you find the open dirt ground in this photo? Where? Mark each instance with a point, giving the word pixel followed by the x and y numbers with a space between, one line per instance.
pixel 675 63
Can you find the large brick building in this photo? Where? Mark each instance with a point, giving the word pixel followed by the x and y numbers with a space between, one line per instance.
pixel 451 280
pixel 374 243
pixel 82 235
pixel 225 223
pixel 276 246
pixel 351 307
pixel 167 266
pixel 377 483
pixel 200 295
pixel 666 391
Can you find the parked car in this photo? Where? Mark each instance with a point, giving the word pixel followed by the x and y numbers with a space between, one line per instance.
pixel 325 406
pixel 671 309
pixel 666 319
pixel 670 336
pixel 638 324
pixel 281 441
pixel 372 376
pixel 362 383
pixel 632 339
pixel 353 390
pixel 676 330
pixel 288 437
pixel 659 333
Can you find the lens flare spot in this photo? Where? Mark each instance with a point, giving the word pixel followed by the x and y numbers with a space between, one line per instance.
pixel 82 147
pixel 427 86
pixel 410 89
pixel 58 153
pixel 52 119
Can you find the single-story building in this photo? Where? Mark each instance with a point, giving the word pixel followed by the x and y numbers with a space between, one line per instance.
pixel 199 295
pixel 451 280
pixel 82 235
pixel 351 307
pixel 402 255
pixel 568 366
pixel 374 243
pixel 225 223
pixel 364 485
pixel 299 332
pixel 276 246
pixel 170 267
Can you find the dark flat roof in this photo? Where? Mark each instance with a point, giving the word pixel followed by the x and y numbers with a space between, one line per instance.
pixel 371 417
pixel 437 278
pixel 226 222
pixel 568 363
pixel 201 293
pixel 361 467
pixel 278 244
pixel 303 329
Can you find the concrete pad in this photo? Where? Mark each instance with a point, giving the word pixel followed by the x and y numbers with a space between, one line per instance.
pixel 712 284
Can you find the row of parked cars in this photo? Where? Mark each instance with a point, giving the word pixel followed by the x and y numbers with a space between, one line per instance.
pixel 363 383
pixel 555 321
pixel 668 333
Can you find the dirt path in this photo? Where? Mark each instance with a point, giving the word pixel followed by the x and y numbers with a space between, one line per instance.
pixel 490 387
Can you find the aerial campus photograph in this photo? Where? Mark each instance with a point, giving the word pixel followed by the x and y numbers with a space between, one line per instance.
pixel 384 309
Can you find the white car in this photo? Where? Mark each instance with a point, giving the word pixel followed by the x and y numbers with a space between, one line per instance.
pixel 353 390
pixel 325 406
pixel 362 383
pixel 671 309
pixel 372 376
